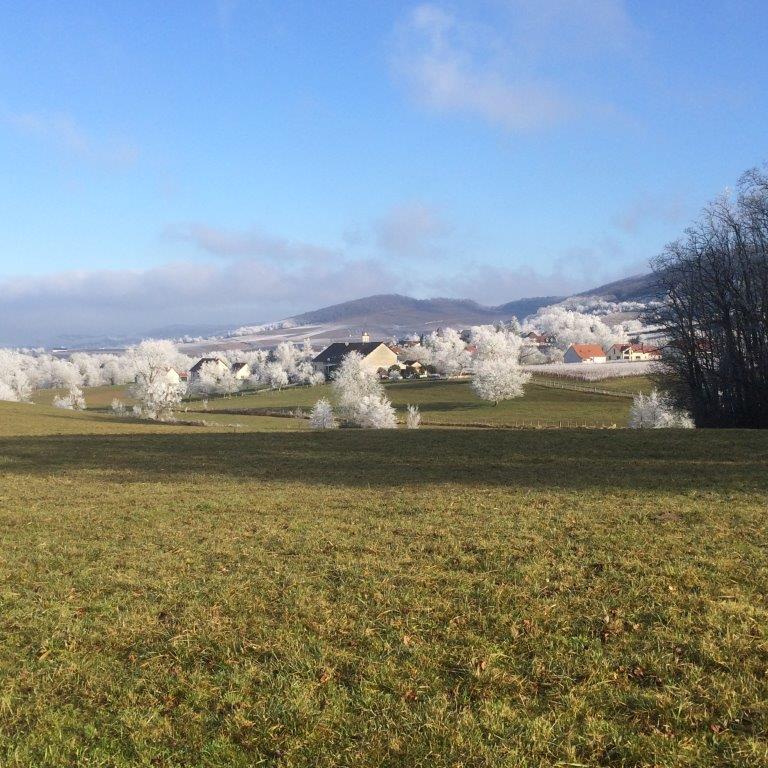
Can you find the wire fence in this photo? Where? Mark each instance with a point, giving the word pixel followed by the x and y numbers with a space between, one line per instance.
pixel 582 388
pixel 527 424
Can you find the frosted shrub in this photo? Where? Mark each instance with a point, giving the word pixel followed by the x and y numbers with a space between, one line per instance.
pixel 374 412
pixel 73 400
pixel 413 417
pixel 360 395
pixel 118 408
pixel 655 411
pixel 321 416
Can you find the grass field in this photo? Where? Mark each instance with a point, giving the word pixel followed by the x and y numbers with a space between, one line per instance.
pixel 184 596
pixel 453 402
pixel 628 384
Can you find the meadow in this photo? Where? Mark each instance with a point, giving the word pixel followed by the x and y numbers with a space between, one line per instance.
pixel 187 595
pixel 450 403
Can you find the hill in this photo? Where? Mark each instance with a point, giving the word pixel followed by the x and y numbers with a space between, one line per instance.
pixel 394 310
pixel 633 288
pixel 393 314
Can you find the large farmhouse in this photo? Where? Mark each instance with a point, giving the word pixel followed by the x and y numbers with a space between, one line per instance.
pixel 584 353
pixel 376 355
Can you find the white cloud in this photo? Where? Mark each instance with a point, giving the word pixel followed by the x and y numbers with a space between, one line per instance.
pixel 496 70
pixel 234 291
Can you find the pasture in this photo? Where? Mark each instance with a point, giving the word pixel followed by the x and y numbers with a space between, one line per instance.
pixel 178 595
pixel 452 403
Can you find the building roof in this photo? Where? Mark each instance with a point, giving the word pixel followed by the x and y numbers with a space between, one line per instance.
pixel 334 354
pixel 238 367
pixel 647 348
pixel 585 351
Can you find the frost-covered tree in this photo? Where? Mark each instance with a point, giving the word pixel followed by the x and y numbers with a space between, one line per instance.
pixel 322 416
pixel 656 411
pixel 413 417
pixel 497 372
pixel 89 369
pixel 150 362
pixel 571 327
pixel 73 400
pixel 158 398
pixel 360 395
pixel 445 351
pixel 15 384
pixel 213 379
pixel 352 381
pixel 117 407
pixel 275 376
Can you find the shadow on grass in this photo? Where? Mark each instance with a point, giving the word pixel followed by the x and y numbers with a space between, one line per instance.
pixel 642 462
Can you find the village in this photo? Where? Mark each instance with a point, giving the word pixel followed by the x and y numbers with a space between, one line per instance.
pixel 408 359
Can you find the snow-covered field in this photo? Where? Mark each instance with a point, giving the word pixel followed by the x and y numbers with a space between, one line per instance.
pixel 594 371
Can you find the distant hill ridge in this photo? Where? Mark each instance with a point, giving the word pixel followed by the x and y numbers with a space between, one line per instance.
pixel 390 311
pixel 394 309
pixel 633 288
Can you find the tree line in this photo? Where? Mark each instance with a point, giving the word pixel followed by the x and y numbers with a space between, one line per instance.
pixel 715 318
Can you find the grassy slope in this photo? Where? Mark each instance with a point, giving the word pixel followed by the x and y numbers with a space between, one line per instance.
pixel 173 596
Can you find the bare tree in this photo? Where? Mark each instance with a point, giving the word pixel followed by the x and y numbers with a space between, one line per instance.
pixel 716 315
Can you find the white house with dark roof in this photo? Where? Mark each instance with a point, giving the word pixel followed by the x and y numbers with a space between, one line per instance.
pixel 376 355
pixel 241 371
pixel 220 365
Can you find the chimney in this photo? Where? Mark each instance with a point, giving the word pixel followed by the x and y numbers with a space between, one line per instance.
pixel 366 337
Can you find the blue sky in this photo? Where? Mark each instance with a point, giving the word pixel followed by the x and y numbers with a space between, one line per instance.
pixel 237 161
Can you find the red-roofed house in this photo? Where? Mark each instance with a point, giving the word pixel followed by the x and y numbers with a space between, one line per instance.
pixel 584 353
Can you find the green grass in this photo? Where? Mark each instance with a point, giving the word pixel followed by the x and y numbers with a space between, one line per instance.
pixel 96 397
pixel 186 596
pixel 628 384
pixel 454 403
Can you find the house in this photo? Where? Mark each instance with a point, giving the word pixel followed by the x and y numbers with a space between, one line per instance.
pixel 540 339
pixel 584 353
pixel 634 352
pixel 412 369
pixel 172 376
pixel 221 367
pixel 241 371
pixel 376 355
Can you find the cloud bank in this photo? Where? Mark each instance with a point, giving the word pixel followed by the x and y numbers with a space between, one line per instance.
pixel 229 292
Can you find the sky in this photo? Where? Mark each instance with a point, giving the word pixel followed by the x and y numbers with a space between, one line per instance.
pixel 203 163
